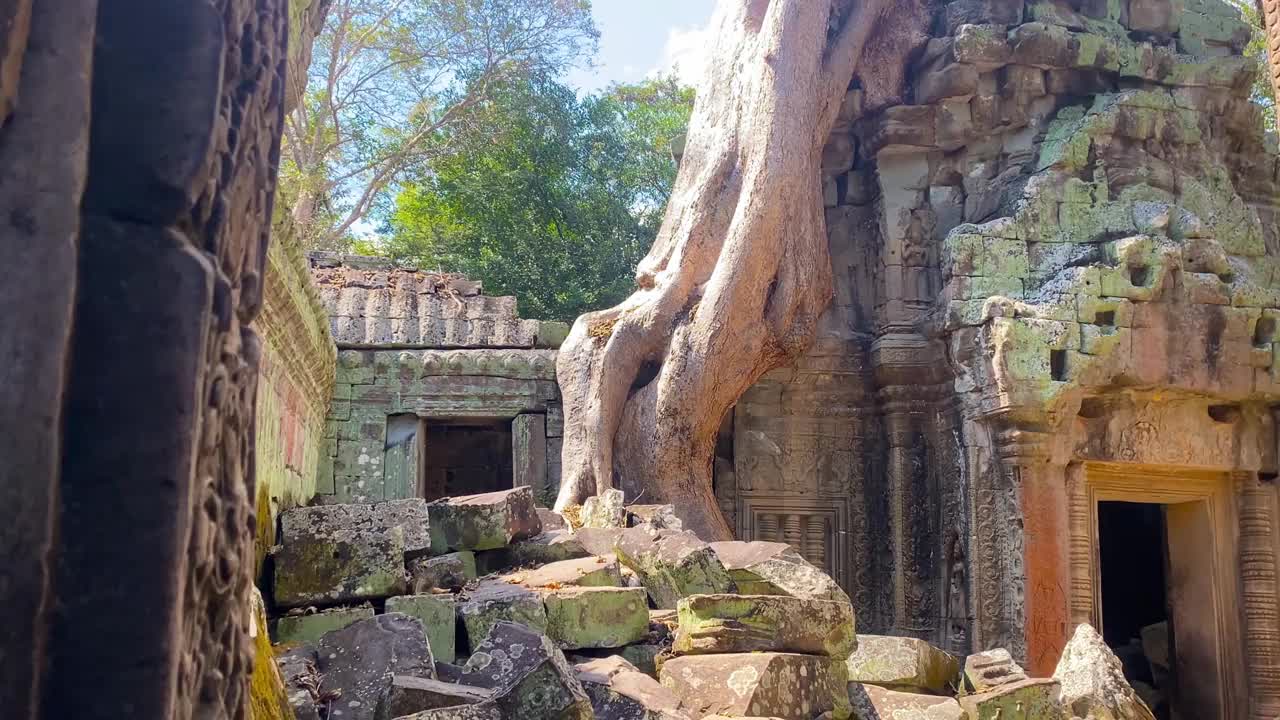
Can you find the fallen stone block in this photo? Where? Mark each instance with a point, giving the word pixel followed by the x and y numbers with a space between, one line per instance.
pixel 595 617
pixel 445 572
pixel 335 554
pixel 672 564
pixel 604 511
pixel 589 571
pixel 528 674
pixel 309 628
pixel 483 522
pixel 551 520
pixel 482 711
pixel 906 664
pixel 1092 680
pixel 548 547
pixel 598 541
pixel 769 568
pixel 494 600
pixel 437 615
pixel 773 623
pixel 619 691
pixel 360 660
pixel 785 685
pixel 662 517
pixel 1020 700
pixel 414 694
pixel 876 703
pixel 409 514
pixel 991 669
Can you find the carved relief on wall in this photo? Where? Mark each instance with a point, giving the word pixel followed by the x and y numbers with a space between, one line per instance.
pixel 818 528
pixel 1151 430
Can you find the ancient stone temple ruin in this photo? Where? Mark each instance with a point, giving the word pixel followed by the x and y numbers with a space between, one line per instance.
pixel 1042 396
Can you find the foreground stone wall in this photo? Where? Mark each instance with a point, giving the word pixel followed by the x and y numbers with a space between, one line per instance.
pixel 418 347
pixel 1055 252
pixel 295 388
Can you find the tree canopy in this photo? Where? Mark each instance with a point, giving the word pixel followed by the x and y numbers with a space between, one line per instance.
pixel 389 83
pixel 546 196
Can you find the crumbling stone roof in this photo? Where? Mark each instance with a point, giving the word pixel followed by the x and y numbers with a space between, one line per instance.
pixel 375 302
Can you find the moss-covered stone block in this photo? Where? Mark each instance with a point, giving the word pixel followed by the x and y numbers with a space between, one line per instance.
pixel 782 685
pixel 335 555
pixel 596 617
pixel 1026 700
pixel 901 663
pixel 483 522
pixel 437 614
pixel 268 696
pixel 308 629
pixel 770 623
pixel 671 564
pixel 493 601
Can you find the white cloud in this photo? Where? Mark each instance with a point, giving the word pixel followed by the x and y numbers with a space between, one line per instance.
pixel 686 54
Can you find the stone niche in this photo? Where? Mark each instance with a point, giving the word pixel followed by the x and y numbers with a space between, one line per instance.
pixel 440 390
pixel 1056 255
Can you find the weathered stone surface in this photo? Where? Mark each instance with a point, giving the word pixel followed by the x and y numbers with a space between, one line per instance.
pixel 301 672
pixel 593 571
pixel 337 554
pixel 1092 681
pixel 604 511
pixel 769 568
pixel 991 669
pixel 437 615
pixel 483 522
pixel 876 703
pixel 548 547
pixel 551 520
pixel 308 628
pixel 1022 700
pixel 901 663
pixel 445 572
pixel 598 541
pixel 595 617
pixel 662 517
pixel 529 675
pixel 411 694
pixel 482 711
pixel 409 514
pixel 619 691
pixel 672 564
pixel 361 659
pixel 268 693
pixel 494 600
pixel 786 685
pixel 773 623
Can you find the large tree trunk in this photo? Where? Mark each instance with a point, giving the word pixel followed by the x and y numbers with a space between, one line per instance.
pixel 1270 12
pixel 739 272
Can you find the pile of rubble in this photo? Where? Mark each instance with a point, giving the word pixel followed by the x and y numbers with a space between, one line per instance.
pixel 486 607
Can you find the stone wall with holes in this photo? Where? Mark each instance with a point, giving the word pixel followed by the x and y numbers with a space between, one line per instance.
pixel 1055 241
pixel 414 345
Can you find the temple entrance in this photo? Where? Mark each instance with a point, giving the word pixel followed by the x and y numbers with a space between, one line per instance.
pixel 1161 584
pixel 1135 603
pixel 461 457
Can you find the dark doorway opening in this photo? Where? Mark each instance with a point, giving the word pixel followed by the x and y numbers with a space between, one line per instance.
pixel 464 457
pixel 1135 603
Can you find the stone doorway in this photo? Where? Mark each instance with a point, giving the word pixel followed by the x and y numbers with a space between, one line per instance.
pixel 1133 556
pixel 1160 582
pixel 465 457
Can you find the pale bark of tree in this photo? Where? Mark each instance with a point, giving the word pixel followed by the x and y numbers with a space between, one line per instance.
pixel 1270 12
pixel 739 272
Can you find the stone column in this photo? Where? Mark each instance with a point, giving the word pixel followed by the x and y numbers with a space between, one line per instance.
pixel 529 453
pixel 1260 594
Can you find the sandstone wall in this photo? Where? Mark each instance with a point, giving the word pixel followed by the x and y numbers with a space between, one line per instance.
pixel 1055 248
pixel 295 388
pixel 429 346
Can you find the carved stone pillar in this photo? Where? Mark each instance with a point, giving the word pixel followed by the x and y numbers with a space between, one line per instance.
pixel 1260 590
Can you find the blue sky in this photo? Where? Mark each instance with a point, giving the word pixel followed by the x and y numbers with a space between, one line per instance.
pixel 640 37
